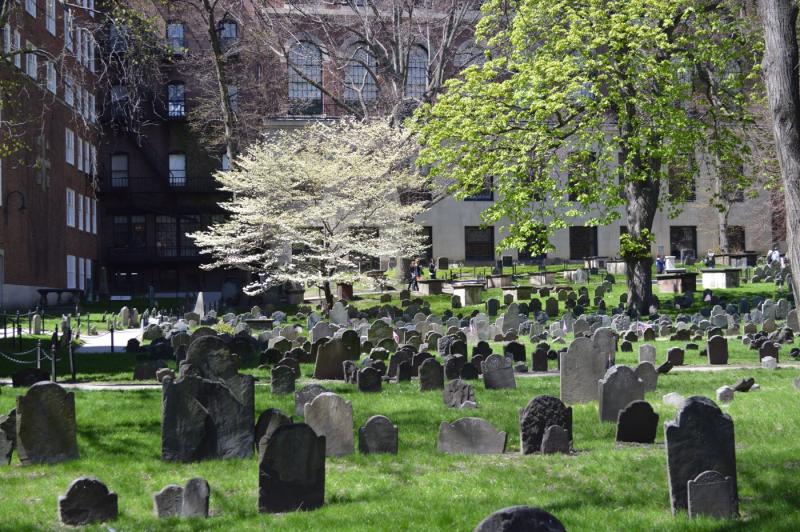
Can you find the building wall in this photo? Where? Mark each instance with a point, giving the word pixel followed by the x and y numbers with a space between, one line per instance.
pixel 36 241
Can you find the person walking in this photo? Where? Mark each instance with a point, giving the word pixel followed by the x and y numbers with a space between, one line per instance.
pixel 414 271
pixel 659 264
pixel 432 268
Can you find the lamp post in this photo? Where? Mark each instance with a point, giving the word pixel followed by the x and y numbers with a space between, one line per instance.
pixel 7 203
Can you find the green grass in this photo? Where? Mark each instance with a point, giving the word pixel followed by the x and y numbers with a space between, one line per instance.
pixel 601 487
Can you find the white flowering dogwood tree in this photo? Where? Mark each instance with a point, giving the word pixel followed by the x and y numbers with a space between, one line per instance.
pixel 312 205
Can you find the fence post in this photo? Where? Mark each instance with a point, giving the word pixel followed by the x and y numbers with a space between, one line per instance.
pixel 88 323
pixel 30 322
pixel 53 363
pixel 19 332
pixel 112 337
pixel 71 361
pixel 38 354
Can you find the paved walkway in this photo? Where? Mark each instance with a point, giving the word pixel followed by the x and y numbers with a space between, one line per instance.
pixel 102 342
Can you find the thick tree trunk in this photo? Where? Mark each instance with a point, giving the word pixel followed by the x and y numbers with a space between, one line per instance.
pixel 783 89
pixel 724 247
pixel 326 289
pixel 641 210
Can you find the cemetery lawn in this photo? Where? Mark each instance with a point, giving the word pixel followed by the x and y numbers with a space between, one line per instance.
pixel 600 487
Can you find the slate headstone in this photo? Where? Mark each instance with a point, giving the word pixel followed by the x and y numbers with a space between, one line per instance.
pixel 378 435
pixel 331 416
pixel 637 423
pixel 540 413
pixel 87 501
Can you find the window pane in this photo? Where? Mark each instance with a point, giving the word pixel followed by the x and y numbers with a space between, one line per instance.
pixel 417 73
pixel 166 236
pixel 305 63
pixel 358 77
pixel 176 100
pixel 177 169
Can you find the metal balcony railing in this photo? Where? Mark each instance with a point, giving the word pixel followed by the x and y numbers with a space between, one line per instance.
pixel 121 182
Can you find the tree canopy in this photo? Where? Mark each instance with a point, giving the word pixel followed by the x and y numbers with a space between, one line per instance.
pixel 587 106
pixel 311 205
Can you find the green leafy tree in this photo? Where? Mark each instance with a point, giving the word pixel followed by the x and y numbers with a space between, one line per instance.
pixel 582 108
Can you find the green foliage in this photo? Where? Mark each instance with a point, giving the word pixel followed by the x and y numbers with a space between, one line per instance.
pixel 636 247
pixel 584 106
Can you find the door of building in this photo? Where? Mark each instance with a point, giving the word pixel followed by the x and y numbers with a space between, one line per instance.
pixel 582 242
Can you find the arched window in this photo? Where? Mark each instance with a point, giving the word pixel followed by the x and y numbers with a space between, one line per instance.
pixel 358 76
pixel 176 99
pixel 305 67
pixel 417 72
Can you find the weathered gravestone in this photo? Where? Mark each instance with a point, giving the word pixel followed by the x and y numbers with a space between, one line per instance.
pixel 540 413
pixel 331 416
pixel 556 439
pixel 717 350
pixel 378 435
pixel 616 390
pixel 168 502
pixel 647 353
pixel 699 439
pixel 195 498
pixel 431 375
pixel 282 382
pixel 498 373
pixel 291 470
pixel 456 393
pixel 306 394
pixel 581 367
pixel 369 380
pixel 87 501
pixel 45 425
pixel 470 435
pixel 8 436
pixel 648 374
pixel 539 360
pixel 268 422
pixel 712 494
pixel 520 519
pixel 330 357
pixel 637 423
pixel 675 356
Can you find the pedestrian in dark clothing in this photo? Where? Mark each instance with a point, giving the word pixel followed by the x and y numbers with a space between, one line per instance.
pixel 432 268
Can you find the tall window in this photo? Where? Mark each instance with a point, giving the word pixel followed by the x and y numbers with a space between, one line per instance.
pixel 177 169
pixel 358 76
pixel 129 232
pixel 94 216
pixel 681 181
pixel 417 72
pixel 81 273
pixel 119 170
pixel 80 212
pixel 683 241
pixel 176 99
pixel 50 16
pixel 69 146
pixel 228 32
pixel 30 7
pixel 87 214
pixel 305 67
pixel 166 236
pixel 233 97
pixel 119 100
pixel 31 61
pixel 51 77
pixel 486 194
pixel 70 208
pixel 479 243
pixel 189 224
pixel 175 38
pixel 68 42
pixel 17 48
pixel 69 92
pixel 71 271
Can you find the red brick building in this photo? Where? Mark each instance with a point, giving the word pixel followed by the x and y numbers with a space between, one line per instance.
pixel 50 225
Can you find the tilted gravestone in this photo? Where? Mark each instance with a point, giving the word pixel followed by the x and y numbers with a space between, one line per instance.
pixel 431 375
pixel 701 438
pixel 378 435
pixel 331 416
pixel 87 501
pixel 470 435
pixel 617 389
pixel 456 393
pixel 540 413
pixel 45 425
pixel 268 422
pixel 581 367
pixel 637 423
pixel 519 519
pixel 291 470
pixel 712 494
pixel 498 373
